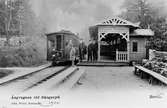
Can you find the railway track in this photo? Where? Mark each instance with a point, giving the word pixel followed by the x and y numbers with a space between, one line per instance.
pixel 8 81
pixel 69 77
pixel 47 78
pixel 21 83
pixel 42 79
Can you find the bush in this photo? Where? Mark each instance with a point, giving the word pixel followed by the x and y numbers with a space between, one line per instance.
pixel 24 56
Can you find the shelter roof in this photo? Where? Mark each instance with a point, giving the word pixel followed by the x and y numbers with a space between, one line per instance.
pixel 142 32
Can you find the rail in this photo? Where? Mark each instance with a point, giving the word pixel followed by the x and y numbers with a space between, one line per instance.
pixel 54 80
pixel 19 75
pixel 122 56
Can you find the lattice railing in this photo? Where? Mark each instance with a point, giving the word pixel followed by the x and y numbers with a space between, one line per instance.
pixel 122 56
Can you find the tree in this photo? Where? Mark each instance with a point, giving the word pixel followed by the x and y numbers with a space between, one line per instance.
pixel 93 32
pixel 6 18
pixel 149 16
pixel 18 19
pixel 29 25
pixel 137 11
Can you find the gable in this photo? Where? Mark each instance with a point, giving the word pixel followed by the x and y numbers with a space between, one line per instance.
pixel 118 21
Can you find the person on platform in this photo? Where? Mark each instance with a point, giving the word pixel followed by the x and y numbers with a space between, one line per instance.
pixel 82 50
pixel 72 55
pixel 70 52
pixel 90 51
pixel 95 50
pixel 67 50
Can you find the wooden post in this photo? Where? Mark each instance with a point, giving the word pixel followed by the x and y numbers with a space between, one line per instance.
pixel 141 74
pixel 99 46
pixel 135 71
pixel 116 54
pixel 128 46
pixel 128 50
pixel 150 80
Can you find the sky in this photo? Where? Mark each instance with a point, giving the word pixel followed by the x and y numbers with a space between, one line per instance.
pixel 76 15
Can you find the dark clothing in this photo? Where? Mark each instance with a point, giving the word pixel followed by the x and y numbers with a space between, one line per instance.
pixel 90 52
pixel 67 52
pixel 82 51
pixel 95 51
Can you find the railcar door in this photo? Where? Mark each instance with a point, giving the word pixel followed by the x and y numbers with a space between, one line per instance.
pixel 60 45
pixel 59 42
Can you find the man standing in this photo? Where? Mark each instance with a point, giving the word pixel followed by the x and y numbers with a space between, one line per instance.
pixel 90 51
pixel 68 49
pixel 72 55
pixel 70 52
pixel 81 50
pixel 95 49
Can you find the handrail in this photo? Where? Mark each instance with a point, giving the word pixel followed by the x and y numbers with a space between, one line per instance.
pixel 122 56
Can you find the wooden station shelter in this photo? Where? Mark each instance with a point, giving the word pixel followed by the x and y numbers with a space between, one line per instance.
pixel 120 40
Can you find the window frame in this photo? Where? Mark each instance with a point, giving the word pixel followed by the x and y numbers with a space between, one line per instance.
pixel 134 46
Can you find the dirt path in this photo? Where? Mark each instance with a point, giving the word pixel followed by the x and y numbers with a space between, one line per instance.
pixel 116 87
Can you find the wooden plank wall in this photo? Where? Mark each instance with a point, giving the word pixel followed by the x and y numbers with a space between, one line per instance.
pixel 141 53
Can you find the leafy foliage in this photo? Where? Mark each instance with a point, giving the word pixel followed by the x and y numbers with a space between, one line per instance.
pixel 93 31
pixel 149 16
pixel 18 20
pixel 23 56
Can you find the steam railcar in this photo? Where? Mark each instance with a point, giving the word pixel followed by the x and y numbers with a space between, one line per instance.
pixel 56 47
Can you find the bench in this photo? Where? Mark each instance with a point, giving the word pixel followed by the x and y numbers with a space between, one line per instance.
pixel 150 75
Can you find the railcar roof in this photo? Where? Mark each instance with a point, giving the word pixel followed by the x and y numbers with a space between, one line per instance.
pixel 60 32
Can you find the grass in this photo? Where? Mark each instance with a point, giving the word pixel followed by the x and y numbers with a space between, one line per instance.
pixel 5 72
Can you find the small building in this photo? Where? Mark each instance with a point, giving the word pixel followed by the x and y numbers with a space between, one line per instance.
pixel 120 40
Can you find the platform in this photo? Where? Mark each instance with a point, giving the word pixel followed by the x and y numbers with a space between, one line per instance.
pixel 103 63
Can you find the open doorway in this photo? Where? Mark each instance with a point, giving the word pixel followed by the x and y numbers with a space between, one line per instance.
pixel 111 43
